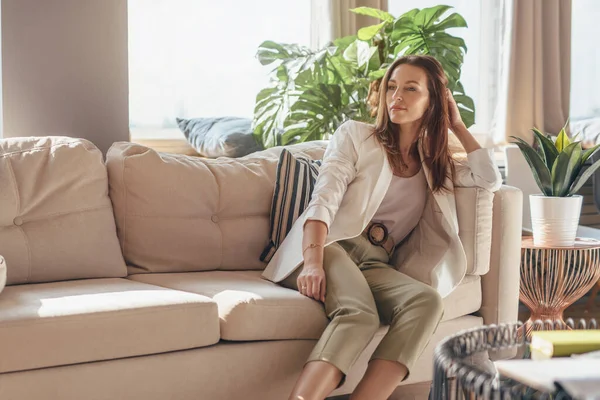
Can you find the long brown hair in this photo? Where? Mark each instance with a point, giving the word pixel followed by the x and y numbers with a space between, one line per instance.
pixel 433 131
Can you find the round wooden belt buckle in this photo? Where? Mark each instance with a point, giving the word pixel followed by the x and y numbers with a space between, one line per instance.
pixel 377 234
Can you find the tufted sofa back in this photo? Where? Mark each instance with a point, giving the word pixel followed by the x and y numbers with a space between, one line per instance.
pixel 177 213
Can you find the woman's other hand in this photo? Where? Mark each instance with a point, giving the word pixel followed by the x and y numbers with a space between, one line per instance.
pixel 311 282
pixel 456 121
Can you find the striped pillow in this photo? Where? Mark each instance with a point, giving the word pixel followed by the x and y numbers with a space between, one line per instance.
pixel 294 184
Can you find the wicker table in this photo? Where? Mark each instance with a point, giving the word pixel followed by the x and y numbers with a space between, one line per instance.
pixel 457 378
pixel 554 278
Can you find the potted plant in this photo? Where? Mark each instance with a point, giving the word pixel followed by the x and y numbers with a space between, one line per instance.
pixel 559 171
pixel 311 92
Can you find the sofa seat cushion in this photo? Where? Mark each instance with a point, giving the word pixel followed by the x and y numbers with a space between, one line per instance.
pixel 250 307
pixel 52 324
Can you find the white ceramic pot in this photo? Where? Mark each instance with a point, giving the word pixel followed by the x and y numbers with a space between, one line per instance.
pixel 554 220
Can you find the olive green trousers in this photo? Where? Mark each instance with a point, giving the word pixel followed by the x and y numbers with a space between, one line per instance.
pixel 364 291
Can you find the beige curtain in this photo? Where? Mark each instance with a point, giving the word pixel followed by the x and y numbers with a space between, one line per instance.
pixel 332 19
pixel 535 86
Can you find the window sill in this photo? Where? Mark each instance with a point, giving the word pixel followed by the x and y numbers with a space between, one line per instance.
pixel 163 140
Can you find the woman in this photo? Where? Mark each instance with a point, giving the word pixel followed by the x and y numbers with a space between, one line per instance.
pixel 384 195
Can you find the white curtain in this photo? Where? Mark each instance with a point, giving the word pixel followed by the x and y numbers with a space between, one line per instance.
pixel 536 69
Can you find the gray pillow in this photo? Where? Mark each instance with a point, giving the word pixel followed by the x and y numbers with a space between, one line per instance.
pixel 220 137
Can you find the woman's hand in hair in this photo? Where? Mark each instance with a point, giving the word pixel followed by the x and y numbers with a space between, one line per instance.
pixel 459 128
pixel 456 121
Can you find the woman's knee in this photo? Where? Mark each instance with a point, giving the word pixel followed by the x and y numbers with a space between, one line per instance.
pixel 365 319
pixel 432 301
pixel 370 322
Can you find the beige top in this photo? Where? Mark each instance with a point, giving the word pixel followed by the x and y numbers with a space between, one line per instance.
pixel 403 204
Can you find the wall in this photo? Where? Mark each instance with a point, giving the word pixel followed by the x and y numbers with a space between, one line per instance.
pixel 64 69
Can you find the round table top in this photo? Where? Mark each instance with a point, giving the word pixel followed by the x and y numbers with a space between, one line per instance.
pixel 580 244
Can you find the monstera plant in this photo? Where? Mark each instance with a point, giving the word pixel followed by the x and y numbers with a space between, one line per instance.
pixel 559 169
pixel 312 91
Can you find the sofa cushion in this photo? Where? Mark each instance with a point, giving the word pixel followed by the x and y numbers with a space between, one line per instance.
pixel 51 324
pixel 2 273
pixel 252 308
pixel 474 211
pixel 56 219
pixel 177 213
pixel 294 183
pixel 220 136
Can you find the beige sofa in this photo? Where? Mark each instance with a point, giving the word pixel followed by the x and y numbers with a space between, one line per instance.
pixel 140 278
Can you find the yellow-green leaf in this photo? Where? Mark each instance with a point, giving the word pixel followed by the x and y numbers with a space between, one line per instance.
pixel 368 32
pixel 562 141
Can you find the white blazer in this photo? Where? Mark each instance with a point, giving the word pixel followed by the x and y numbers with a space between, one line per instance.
pixel 352 183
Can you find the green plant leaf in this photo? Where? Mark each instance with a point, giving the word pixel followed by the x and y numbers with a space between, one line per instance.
pixel 360 52
pixel 312 91
pixel 588 153
pixel 562 140
pixel 582 179
pixel 368 32
pixel 466 105
pixel 454 20
pixel 342 43
pixel 547 146
pixel 373 12
pixel 270 103
pixel 375 75
pixel 565 169
pixel 541 174
pixel 427 16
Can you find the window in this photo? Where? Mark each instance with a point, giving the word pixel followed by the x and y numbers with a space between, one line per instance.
pixel 585 62
pixel 196 58
pixel 481 63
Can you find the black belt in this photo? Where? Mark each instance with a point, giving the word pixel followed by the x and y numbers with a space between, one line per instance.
pixel 378 235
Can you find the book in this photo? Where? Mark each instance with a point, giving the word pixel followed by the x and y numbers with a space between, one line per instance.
pixel 563 343
pixel 580 376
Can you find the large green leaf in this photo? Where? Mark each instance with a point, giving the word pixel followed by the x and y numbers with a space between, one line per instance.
pixel 565 169
pixel 541 174
pixel 342 43
pixel 363 55
pixel 373 12
pixel 316 113
pixel 588 153
pixel 422 32
pixel 313 91
pixel 466 105
pixel 368 32
pixel 375 75
pixel 427 16
pixel 454 20
pixel 270 103
pixel 546 147
pixel 582 179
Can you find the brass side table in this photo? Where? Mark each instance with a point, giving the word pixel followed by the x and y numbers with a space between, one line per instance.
pixel 554 278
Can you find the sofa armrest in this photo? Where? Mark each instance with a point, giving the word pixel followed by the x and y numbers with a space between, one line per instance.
pixel 2 273
pixel 500 286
